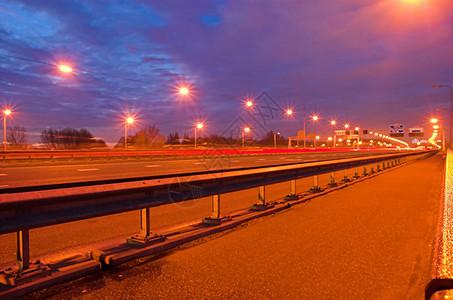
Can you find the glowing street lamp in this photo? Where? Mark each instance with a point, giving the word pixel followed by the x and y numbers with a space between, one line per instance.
pixel 129 121
pixel 314 141
pixel 6 113
pixel 433 120
pixel 65 68
pixel 249 103
pixel 198 126
pixel 184 91
pixel 246 130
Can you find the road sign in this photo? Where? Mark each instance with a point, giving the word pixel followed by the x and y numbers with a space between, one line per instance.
pixel 340 132
pixel 396 128
pixel 418 131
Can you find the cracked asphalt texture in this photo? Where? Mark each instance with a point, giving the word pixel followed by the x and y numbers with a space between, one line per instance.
pixel 372 240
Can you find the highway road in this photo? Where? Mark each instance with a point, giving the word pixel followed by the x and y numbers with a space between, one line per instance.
pixel 369 241
pixel 27 176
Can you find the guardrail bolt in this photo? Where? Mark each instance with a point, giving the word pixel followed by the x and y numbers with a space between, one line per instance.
pixel 292 191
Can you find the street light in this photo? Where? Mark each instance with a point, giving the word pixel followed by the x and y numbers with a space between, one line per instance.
pixel 183 91
pixel 6 113
pixel 199 126
pixel 314 141
pixel 129 121
pixel 451 108
pixel 65 68
pixel 246 130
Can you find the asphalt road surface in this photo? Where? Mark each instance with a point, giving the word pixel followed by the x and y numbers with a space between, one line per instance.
pixel 371 240
pixel 20 176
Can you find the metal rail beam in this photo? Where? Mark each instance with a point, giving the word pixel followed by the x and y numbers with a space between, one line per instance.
pixel 20 211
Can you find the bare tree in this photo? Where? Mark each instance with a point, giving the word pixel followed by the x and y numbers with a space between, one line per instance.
pixel 17 137
pixel 149 137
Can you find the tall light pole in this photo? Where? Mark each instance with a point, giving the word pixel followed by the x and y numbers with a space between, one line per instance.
pixel 246 129
pixel 333 123
pixel 314 141
pixel 451 109
pixel 129 121
pixel 199 126
pixel 443 128
pixel 358 136
pixel 434 121
pixel 6 113
pixel 275 139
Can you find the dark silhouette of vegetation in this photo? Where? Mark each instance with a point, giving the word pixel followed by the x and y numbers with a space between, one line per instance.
pixel 17 137
pixel 173 139
pixel 148 137
pixel 70 138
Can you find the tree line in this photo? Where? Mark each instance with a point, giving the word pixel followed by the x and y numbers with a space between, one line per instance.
pixel 149 137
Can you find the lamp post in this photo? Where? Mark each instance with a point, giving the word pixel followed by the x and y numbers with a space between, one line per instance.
pixel 443 128
pixel 246 129
pixel 358 136
pixel 199 126
pixel 275 139
pixel 6 113
pixel 314 141
pixel 129 121
pixel 451 108
pixel 434 121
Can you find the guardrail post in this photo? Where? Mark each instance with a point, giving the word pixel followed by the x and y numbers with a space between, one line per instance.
pixel 364 171
pixel 388 165
pixel 25 271
pixel 356 173
pixel 145 237
pixel 261 205
pixel 315 188
pixel 383 165
pixel 292 191
pixel 332 182
pixel 23 249
pixel 345 177
pixel 214 219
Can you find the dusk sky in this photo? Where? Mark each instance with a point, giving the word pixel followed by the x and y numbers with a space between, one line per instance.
pixel 368 63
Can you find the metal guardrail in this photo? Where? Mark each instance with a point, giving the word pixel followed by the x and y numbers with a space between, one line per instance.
pixel 71 157
pixel 441 282
pixel 22 211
